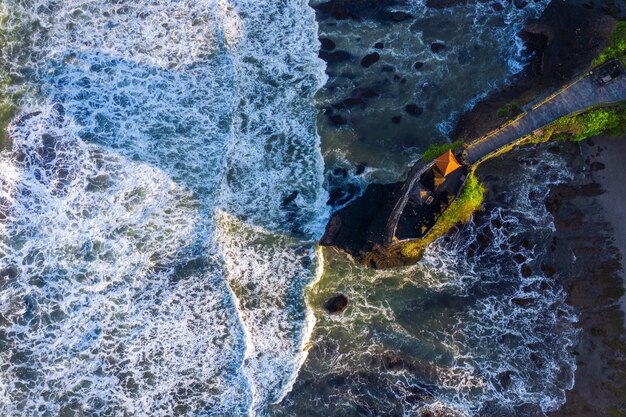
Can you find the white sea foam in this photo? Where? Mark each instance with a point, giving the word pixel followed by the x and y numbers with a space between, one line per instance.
pixel 149 263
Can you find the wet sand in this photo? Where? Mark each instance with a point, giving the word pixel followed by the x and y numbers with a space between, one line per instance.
pixel 609 170
pixel 586 255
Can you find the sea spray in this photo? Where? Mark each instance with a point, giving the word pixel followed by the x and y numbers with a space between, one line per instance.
pixel 465 332
pixel 152 260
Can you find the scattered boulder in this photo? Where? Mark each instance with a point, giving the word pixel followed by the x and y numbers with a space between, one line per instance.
pixel 520 4
pixel 360 168
pixel 336 304
pixel 438 47
pixel 334 57
pixel 443 4
pixel 397 16
pixel 505 378
pixel 413 109
pixel 327 44
pixel 289 199
pixel 597 166
pixel 522 302
pixel 418 65
pixel 338 120
pixel 519 258
pixel 379 45
pixel 536 360
pixel 370 59
pixel 548 270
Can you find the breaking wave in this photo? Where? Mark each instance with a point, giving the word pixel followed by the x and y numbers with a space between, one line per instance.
pixel 475 329
pixel 159 205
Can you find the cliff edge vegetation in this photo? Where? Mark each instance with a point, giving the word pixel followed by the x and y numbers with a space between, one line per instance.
pixel 459 212
pixel 617 45
pixel 603 120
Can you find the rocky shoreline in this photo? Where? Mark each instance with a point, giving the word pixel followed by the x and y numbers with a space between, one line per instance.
pixel 582 257
pixel 560 45
pixel 557 50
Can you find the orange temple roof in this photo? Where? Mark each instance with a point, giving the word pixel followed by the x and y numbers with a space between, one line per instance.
pixel 447 163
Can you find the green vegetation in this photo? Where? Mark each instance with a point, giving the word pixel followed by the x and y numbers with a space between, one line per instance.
pixel 509 111
pixel 434 151
pixel 607 120
pixel 460 211
pixel 617 47
pixel 614 412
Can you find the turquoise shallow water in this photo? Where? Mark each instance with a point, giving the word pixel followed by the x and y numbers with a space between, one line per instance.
pixel 163 190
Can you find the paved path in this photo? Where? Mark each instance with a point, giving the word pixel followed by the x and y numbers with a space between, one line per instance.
pixel 415 173
pixel 577 96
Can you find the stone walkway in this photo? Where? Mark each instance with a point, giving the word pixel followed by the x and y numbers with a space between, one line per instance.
pixel 578 96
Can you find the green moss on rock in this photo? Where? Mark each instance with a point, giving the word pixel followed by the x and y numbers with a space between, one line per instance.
pixel 409 252
pixel 617 46
pixel 604 120
pixel 434 151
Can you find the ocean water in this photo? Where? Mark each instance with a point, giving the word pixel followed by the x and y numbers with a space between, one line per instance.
pixel 151 261
pixel 475 329
pixel 164 185
pixel 481 51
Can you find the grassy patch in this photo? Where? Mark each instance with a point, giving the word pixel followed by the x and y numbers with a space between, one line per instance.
pixel 509 111
pixel 460 211
pixel 617 46
pixel 614 412
pixel 434 151
pixel 607 120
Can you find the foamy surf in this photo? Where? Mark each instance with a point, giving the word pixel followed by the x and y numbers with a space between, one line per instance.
pixel 153 261
pixel 466 332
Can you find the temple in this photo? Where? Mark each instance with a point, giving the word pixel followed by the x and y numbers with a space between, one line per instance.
pixel 430 196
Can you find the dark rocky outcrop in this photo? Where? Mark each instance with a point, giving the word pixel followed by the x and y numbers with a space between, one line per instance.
pixel 438 47
pixel 359 227
pixel 370 59
pixel 443 4
pixel 413 109
pixel 334 57
pixel 559 45
pixel 336 304
pixel 327 44
pixel 355 9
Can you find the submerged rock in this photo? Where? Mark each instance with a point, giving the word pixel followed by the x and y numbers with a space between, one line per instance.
pixel 336 304
pixel 413 109
pixel 334 57
pixel 442 4
pixel 338 120
pixel 370 59
pixel 438 47
pixel 327 44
